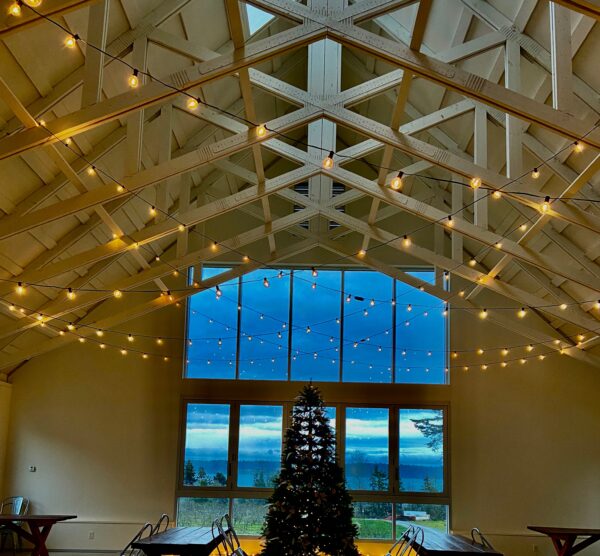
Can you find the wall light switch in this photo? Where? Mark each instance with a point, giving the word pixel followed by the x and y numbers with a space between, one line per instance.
pixel 32 468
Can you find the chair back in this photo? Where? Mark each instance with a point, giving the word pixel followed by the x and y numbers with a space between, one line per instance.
pixel 14 505
pixel 229 542
pixel 161 525
pixel 478 539
pixel 410 541
pixel 145 531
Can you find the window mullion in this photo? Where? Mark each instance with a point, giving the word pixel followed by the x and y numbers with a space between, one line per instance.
pixel 234 438
pixel 394 434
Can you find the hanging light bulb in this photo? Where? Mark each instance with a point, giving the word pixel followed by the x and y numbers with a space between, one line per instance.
pixel 484 367
pixel 152 210
pixel 192 103
pixel 314 285
pixel 261 130
pixel 266 282
pixel 328 162
pixel 578 146
pixel 505 352
pixel 475 182
pixel 91 171
pixel 522 361
pixel 522 313
pixel 461 293
pixel 523 227
pixel 70 326
pixel 118 294
pixel 33 3
pixel 365 313
pixel 15 9
pixel 71 41
pixel 123 352
pixel 409 307
pixel 504 364
pixel 406 241
pixel 130 338
pixel 563 306
pixel 446 275
pixel 483 314
pixel 445 311
pixel 81 339
pixel 308 330
pixel 372 303
pixel 546 204
pixel 541 357
pixel 348 298
pixel 497 194
pixel 362 253
pixel 70 294
pixel 535 174
pixel 529 348
pixel 280 274
pixel 181 228
pixel 218 292
pixel 133 80
pixel 450 222
pixel 597 305
pixel 480 351
pixel 472 261
pixel 20 289
pixel 396 183
pixel 314 272
pixel 12 307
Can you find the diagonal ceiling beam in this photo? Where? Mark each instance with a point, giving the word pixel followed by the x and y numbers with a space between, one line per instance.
pixel 591 8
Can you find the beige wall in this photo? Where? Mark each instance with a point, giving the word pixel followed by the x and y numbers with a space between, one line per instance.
pixel 5 395
pixel 102 430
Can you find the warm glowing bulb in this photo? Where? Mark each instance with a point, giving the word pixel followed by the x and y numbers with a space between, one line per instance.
pixel 504 364
pixel 450 222
pixel 535 174
pixel 266 282
pixel 218 292
pixel 192 103
pixel 483 314
pixel 91 171
pixel 82 340
pixel 597 305
pixel 181 228
pixel 328 161
pixel 480 351
pixel 15 9
pixel 578 146
pixel 523 227
pixel 498 245
pixel 563 306
pixel 546 204
pixel 130 338
pixel 314 272
pixel 214 246
pixel 70 293
pixel 20 289
pixel 475 182
pixel 497 194
pixel 454 355
pixel 123 352
pixel 246 258
pixel 71 326
pixel 396 183
pixel 362 253
pixel 472 262
pixel 70 42
pixel 144 356
pixel 505 352
pixel 484 367
pixel 100 333
pixel 152 210
pixel 133 81
pixel 118 294
pixel 159 341
pixel 405 241
pixel 33 3
pixel 522 313
pixel 541 357
pixel 529 348
pixel 522 361
pixel 120 189
pixel 261 130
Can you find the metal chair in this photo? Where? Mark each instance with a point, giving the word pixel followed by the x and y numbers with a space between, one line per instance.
pixel 229 541
pixel 410 541
pixel 162 524
pixel 14 505
pixel 145 531
pixel 482 542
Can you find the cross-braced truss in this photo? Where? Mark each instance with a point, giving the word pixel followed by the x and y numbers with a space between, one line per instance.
pixel 443 91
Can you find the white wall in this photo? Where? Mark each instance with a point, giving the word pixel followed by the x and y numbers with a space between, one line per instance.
pixel 5 395
pixel 102 430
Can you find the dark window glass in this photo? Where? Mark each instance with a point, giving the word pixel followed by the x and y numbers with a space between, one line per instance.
pixel 316 307
pixel 420 334
pixel 259 453
pixel 206 445
pixel 367 448
pixel 212 330
pixel 264 330
pixel 368 327
pixel 422 450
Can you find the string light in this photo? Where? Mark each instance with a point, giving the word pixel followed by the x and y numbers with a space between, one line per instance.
pixel 91 171
pixel 152 210
pixel 100 333
pixel 20 289
pixel 522 313
pixel 134 80
pixel 70 294
pixel 266 282
pixel 523 227
pixel 406 241
pixel 483 314
pixel 505 352
pixel 396 183
pixel 372 303
pixel 546 204
pixel 563 306
pixel 409 307
pixel 118 294
pixel 261 130
pixel 71 41
pixel 130 338
pixel 450 222
pixel 535 174
pixel 192 103
pixel 472 261
pixel 181 228
pixel 497 194
pixel 578 146
pixel 159 341
pixel 328 162
pixel 475 182
pixel 15 9
pixel 314 272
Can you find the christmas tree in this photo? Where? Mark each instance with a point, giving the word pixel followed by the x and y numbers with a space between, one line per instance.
pixel 310 512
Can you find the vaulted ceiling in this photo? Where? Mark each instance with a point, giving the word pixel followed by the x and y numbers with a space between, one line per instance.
pixel 110 188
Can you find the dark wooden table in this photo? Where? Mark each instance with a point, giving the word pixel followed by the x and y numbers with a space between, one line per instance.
pixel 39 528
pixel 564 538
pixel 436 543
pixel 183 541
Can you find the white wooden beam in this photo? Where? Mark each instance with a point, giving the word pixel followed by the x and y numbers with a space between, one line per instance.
pixel 94 59
pixel 560 46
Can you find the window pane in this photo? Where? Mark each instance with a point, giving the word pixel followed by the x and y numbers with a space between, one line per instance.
pixel 374 520
pixel 200 512
pixel 367 448
pixel 318 308
pixel 422 450
pixel 421 345
pixel 212 330
pixel 368 336
pixel 249 515
pixel 206 445
pixel 259 457
pixel 423 515
pixel 264 340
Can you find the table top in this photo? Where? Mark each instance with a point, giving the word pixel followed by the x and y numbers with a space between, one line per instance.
pixel 556 531
pixel 438 543
pixel 26 518
pixel 178 540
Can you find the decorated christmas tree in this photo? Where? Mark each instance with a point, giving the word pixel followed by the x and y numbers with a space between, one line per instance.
pixel 310 512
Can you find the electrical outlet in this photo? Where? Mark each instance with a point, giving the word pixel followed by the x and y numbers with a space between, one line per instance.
pixel 91 535
pixel 32 468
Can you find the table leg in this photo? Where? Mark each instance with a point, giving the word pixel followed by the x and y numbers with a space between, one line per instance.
pixel 39 534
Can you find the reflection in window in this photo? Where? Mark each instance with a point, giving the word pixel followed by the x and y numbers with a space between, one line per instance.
pixel 259 453
pixel 316 304
pixel 420 334
pixel 434 516
pixel 263 329
pixel 257 18
pixel 422 450
pixel 249 515
pixel 374 520
pixel 367 448
pixel 212 330
pixel 368 327
pixel 206 445
pixel 200 512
